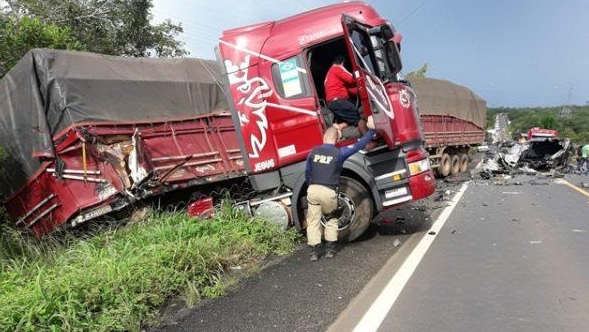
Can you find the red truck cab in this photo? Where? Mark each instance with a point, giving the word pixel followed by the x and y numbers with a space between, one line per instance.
pixel 275 72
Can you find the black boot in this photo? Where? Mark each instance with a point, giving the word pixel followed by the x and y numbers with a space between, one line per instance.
pixel 314 254
pixel 330 249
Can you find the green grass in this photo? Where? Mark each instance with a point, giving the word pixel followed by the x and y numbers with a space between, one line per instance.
pixel 119 279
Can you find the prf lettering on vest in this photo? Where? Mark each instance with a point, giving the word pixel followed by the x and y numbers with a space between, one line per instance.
pixel 322 159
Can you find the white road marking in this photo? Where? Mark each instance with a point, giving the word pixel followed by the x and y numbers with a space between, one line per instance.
pixel 563 181
pixel 385 301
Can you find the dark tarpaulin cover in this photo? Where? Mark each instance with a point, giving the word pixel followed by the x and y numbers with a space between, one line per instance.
pixel 441 97
pixel 50 90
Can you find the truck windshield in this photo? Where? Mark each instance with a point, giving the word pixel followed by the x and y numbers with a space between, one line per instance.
pixel 375 54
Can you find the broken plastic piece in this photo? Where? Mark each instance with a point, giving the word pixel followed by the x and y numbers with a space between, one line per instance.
pixel 202 208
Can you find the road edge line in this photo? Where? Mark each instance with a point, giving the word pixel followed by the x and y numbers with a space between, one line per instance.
pixel 383 304
pixel 573 187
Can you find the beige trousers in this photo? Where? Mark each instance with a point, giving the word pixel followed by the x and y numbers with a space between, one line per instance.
pixel 321 200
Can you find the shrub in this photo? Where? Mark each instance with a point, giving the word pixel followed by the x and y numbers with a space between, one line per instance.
pixel 119 279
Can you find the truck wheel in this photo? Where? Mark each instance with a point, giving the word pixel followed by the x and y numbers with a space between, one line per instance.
pixel 358 209
pixel 445 166
pixel 463 162
pixel 455 162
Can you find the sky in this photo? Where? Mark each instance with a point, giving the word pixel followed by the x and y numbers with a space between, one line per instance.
pixel 512 53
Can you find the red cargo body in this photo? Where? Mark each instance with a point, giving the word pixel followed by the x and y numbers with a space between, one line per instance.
pixel 108 131
pixel 447 130
pixel 171 155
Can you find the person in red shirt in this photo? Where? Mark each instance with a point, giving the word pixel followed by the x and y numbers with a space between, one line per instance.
pixel 340 86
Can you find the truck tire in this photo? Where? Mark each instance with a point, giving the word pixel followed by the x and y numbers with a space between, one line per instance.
pixel 445 166
pixel 455 162
pixel 358 209
pixel 463 162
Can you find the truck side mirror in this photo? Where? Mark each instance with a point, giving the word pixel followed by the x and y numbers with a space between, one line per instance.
pixel 387 32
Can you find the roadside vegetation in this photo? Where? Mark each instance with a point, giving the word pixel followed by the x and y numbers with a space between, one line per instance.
pixel 119 279
pixel 106 27
pixel 573 124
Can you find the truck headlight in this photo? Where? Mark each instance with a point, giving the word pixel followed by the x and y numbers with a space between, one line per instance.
pixel 419 167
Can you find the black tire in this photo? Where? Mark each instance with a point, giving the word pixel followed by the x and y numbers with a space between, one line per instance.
pixel 357 203
pixel 354 193
pixel 445 166
pixel 463 162
pixel 455 162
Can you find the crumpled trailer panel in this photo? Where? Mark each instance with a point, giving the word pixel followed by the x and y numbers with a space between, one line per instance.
pixel 102 168
pixel 85 134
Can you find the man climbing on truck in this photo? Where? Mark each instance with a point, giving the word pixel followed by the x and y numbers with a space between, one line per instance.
pixel 324 166
pixel 340 87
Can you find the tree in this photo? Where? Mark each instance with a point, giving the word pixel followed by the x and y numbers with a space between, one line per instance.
pixel 522 119
pixel 115 27
pixel 419 72
pixel 17 36
pixel 549 122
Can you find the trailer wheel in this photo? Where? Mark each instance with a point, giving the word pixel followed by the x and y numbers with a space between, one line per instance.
pixel 463 162
pixel 358 209
pixel 445 166
pixel 455 162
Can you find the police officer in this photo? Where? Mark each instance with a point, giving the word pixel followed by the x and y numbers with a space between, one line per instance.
pixel 322 171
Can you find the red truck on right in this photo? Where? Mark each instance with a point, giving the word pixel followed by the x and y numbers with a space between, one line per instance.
pixel 453 120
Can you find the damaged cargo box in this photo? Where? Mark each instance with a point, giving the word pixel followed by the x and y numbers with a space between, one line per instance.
pixel 85 134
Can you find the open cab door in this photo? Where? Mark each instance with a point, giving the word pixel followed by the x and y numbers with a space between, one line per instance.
pixel 375 62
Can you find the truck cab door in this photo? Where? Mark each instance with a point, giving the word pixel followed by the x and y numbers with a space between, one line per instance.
pixel 364 57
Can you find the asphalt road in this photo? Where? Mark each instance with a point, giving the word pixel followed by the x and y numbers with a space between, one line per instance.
pixel 294 294
pixel 508 258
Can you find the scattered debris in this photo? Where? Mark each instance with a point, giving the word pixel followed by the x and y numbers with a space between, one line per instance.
pixel 396 243
pixel 202 208
pixel 431 233
pixel 542 156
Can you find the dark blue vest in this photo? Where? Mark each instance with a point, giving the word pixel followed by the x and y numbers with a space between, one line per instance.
pixel 325 166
